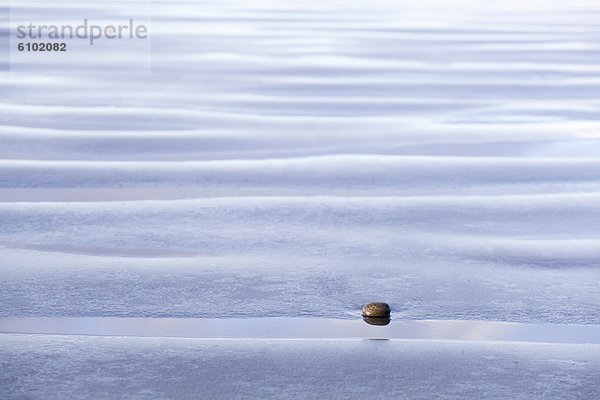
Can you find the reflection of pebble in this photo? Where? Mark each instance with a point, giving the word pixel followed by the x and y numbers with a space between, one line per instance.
pixel 376 310
pixel 377 320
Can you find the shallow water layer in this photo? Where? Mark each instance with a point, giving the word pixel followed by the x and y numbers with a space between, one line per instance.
pixel 306 328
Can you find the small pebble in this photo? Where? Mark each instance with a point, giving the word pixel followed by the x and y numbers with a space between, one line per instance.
pixel 376 310
pixel 381 321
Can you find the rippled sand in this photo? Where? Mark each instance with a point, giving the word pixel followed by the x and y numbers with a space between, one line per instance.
pixel 302 158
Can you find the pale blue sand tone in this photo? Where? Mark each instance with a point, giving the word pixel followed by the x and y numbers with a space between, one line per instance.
pixel 299 159
pixel 75 367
